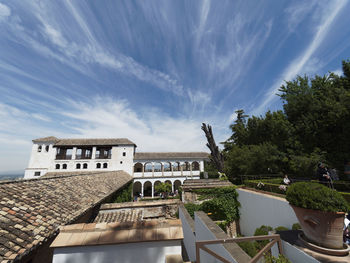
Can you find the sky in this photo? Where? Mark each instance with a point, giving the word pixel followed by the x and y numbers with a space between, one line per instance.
pixel 153 71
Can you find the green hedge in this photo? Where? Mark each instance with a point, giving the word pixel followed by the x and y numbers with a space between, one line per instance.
pixel 316 196
pixel 274 188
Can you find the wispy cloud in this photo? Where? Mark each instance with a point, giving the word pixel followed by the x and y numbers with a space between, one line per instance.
pixel 297 66
pixel 5 11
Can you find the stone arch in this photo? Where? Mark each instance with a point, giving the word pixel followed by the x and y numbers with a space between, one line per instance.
pixel 39 148
pixel 147 189
pixel 177 184
pixel 154 187
pixel 47 148
pixel 138 167
pixel 167 167
pixel 186 166
pixel 78 166
pixel 176 166
pixel 157 166
pixel 195 166
pixel 148 167
pixel 98 165
pixel 136 189
pixel 64 166
pixel 58 166
pixel 85 166
pixel 105 165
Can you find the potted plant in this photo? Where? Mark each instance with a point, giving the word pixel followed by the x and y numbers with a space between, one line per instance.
pixel 320 211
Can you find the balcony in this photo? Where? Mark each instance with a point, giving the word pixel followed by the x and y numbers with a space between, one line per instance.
pixel 63 157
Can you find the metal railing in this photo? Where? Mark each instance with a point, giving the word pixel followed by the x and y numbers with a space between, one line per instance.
pixel 202 245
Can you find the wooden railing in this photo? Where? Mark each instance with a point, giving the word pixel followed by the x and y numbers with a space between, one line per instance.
pixel 202 245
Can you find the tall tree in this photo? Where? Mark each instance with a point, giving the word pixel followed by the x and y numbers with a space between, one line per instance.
pixel 216 155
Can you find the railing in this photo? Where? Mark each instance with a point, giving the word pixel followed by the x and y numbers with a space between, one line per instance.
pixel 202 245
pixel 63 157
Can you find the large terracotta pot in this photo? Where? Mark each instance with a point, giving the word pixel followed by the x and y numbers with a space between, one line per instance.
pixel 321 228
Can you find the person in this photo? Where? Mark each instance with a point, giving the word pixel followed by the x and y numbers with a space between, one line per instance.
pixel 286 180
pixel 323 175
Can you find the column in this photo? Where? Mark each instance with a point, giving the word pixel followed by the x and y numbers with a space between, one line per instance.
pixel 161 163
pixel 201 166
pixel 93 154
pixel 142 193
pixel 74 153
pixel 191 169
pixel 181 168
pixel 152 190
pixel 143 169
pixel 152 168
pixel 172 187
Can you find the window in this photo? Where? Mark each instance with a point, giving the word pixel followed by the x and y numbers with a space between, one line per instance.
pixel 121 162
pixel 57 166
pixel 47 148
pixel 105 165
pixel 40 148
pixel 124 153
pixel 85 165
pixel 78 166
pixel 64 166
pixel 36 173
pixel 98 165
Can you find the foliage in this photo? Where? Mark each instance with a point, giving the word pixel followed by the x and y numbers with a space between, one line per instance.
pixel 296 226
pixel 191 208
pixel 163 188
pixel 316 196
pixel 249 247
pixel 271 259
pixel 222 225
pixel 125 195
pixel 223 203
pixel 262 231
pixel 281 228
pixel 314 126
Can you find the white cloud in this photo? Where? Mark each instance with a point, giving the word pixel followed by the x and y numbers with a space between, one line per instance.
pixel 298 65
pixel 5 11
pixel 338 71
pixel 296 12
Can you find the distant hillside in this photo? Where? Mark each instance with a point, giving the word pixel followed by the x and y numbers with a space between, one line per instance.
pixel 11 176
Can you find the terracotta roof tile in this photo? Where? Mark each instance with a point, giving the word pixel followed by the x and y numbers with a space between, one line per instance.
pixel 31 211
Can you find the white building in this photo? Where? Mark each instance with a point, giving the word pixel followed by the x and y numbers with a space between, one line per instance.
pixel 51 154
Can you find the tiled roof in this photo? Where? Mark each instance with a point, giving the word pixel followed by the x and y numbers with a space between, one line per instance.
pixel 170 155
pixel 32 210
pixel 118 233
pixel 86 142
pixel 129 215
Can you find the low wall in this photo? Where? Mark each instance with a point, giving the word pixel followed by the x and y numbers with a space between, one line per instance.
pixel 189 233
pixel 262 209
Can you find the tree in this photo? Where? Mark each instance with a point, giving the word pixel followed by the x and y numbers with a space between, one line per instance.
pixel 164 188
pixel 216 155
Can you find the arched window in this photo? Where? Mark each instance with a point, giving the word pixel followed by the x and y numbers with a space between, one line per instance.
pixel 40 148
pixel 98 165
pixel 64 166
pixel 78 166
pixel 57 166
pixel 85 166
pixel 47 148
pixel 105 165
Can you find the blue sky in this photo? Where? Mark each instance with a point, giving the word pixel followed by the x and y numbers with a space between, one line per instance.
pixel 153 71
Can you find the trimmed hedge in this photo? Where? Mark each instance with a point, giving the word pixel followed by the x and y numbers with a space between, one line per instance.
pixel 316 196
pixel 274 188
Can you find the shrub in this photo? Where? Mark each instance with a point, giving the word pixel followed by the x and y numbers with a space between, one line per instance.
pixel 248 247
pixel 316 196
pixel 296 226
pixel 191 208
pixel 262 231
pixel 281 228
pixel 125 195
pixel 271 259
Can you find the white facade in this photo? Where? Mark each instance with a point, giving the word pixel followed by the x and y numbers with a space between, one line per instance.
pixel 51 154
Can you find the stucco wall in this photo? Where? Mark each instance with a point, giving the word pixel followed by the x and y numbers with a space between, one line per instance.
pixel 146 252
pixel 188 231
pixel 261 209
